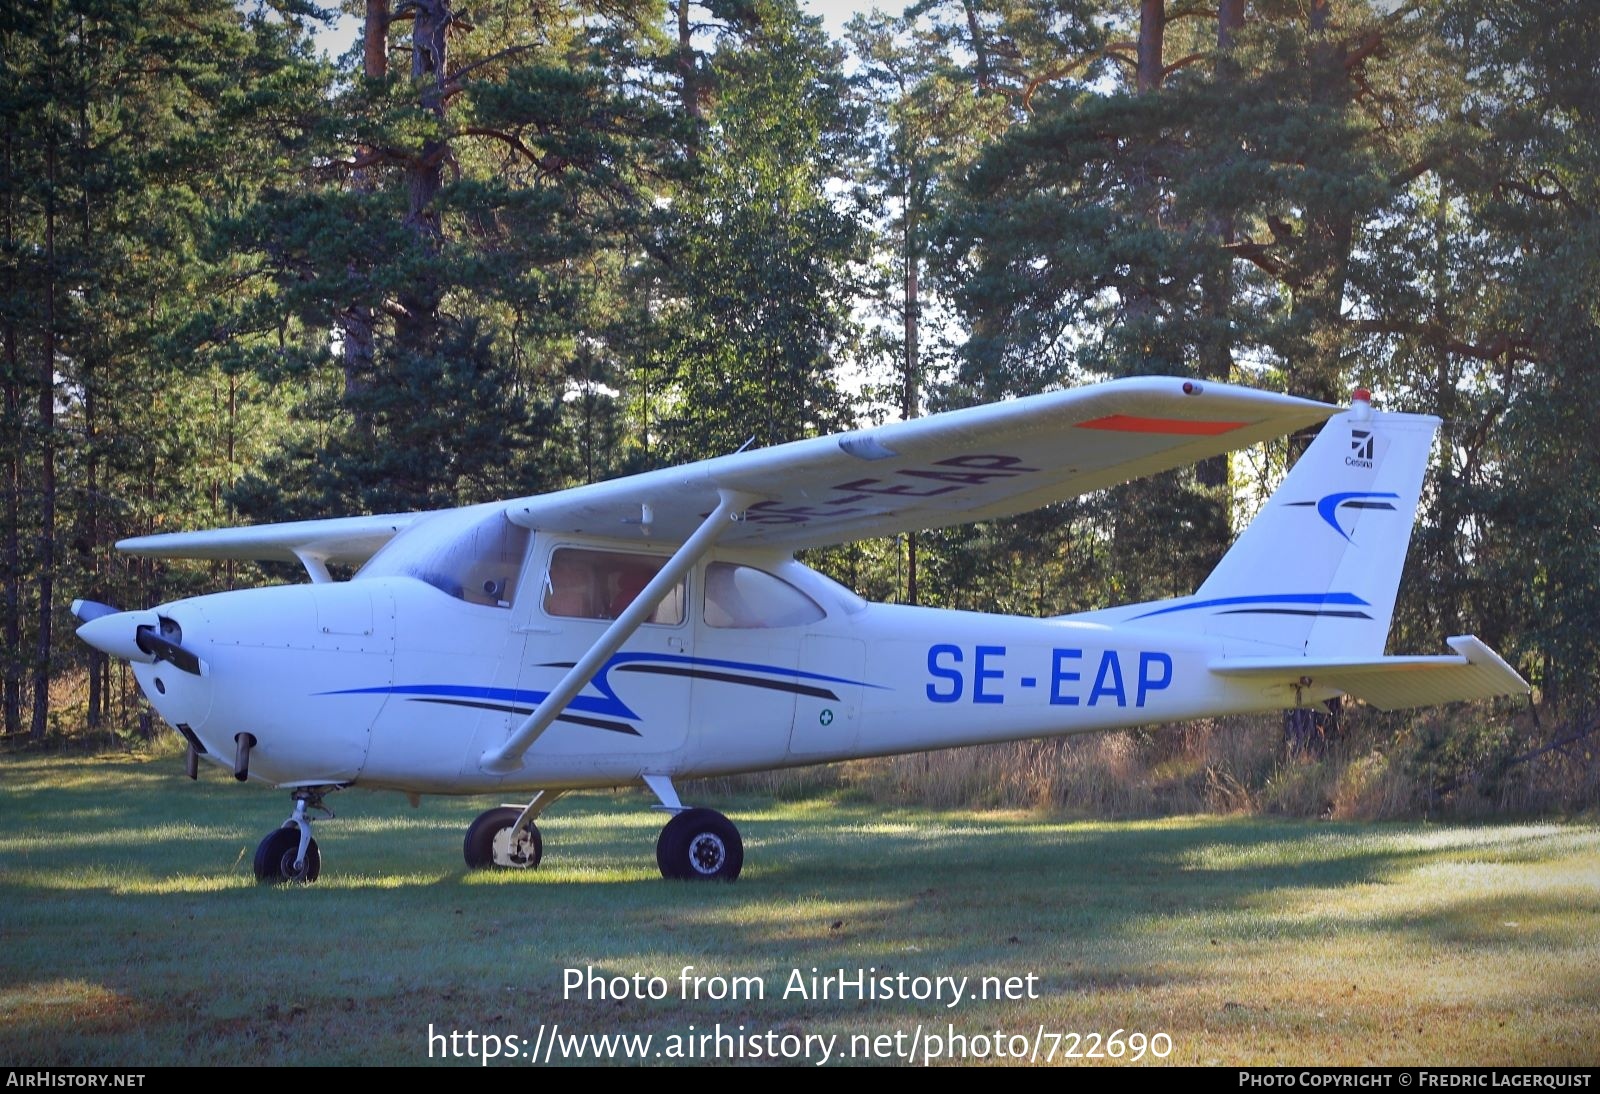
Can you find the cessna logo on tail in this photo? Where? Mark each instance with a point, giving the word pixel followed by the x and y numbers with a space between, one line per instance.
pixel 1360 448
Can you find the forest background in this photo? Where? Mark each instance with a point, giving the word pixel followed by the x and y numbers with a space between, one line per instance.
pixel 507 247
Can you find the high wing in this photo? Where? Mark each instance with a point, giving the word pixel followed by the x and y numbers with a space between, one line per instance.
pixel 347 541
pixel 950 468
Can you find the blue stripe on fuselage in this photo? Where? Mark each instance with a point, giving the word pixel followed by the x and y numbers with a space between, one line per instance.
pixel 1319 599
pixel 607 704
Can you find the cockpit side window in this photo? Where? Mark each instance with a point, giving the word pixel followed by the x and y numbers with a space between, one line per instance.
pixel 585 584
pixel 745 597
pixel 471 555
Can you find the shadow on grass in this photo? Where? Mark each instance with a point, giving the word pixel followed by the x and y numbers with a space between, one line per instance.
pixel 131 911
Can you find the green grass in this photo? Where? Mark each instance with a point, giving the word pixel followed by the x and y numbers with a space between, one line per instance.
pixel 132 931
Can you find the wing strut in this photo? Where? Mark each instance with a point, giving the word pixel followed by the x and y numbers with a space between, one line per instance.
pixel 508 757
pixel 316 565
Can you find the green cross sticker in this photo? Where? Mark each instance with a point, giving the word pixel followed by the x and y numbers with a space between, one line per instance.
pixel 826 717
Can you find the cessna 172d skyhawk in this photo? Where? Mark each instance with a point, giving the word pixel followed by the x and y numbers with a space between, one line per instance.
pixel 657 627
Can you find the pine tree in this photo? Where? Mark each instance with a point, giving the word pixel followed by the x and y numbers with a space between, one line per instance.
pixel 751 286
pixel 433 283
pixel 120 124
pixel 1194 210
pixel 927 123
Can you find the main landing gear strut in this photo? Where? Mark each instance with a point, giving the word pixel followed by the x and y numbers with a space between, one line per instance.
pixel 289 853
pixel 699 845
pixel 695 845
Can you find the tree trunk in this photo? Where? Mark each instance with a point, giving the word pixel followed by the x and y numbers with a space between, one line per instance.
pixel 1449 567
pixel 1329 236
pixel 424 171
pixel 1152 32
pixel 230 568
pixel 97 660
pixel 688 78
pixel 911 393
pixel 47 417
pixel 89 380
pixel 1146 193
pixel 375 40
pixel 357 321
pixel 1230 20
pixel 12 663
pixel 1217 360
pixel 982 76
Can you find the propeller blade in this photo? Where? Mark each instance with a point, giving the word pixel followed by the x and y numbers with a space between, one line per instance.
pixel 164 649
pixel 90 610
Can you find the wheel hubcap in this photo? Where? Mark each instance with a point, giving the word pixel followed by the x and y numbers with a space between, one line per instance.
pixel 513 852
pixel 707 853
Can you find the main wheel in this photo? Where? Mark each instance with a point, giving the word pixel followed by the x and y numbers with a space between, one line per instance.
pixel 275 857
pixel 489 843
pixel 700 845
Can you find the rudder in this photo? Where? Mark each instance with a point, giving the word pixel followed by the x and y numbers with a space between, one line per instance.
pixel 1318 570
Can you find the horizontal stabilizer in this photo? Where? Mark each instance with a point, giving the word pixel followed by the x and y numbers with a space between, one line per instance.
pixel 1389 683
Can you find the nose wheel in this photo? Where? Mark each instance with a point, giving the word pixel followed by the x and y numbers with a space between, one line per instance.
pixel 289 854
pixel 496 841
pixel 506 838
pixel 279 859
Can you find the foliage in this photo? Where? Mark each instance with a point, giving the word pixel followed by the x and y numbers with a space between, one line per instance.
pixel 126 127
pixel 749 297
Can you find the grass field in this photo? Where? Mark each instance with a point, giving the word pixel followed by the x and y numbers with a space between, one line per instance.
pixel 132 932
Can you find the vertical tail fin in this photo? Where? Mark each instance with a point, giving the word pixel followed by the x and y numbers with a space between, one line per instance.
pixel 1317 571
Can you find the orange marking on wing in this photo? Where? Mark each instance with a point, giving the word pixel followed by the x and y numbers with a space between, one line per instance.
pixel 1127 423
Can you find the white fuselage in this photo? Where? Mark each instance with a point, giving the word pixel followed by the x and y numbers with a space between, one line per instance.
pixel 390 682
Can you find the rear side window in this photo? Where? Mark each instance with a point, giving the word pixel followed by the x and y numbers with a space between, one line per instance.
pixel 745 597
pixel 584 584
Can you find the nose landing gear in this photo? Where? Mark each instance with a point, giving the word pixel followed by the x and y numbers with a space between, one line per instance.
pixel 289 853
pixel 506 838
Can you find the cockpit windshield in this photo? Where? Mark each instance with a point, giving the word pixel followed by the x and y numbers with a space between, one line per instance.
pixel 474 555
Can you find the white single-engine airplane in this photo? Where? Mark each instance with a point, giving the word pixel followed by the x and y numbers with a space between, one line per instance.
pixel 657 627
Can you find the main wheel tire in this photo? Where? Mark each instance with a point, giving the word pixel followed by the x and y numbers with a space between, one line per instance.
pixel 276 854
pixel 489 845
pixel 700 845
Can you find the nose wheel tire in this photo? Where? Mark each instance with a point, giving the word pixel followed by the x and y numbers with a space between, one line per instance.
pixel 700 845
pixel 489 843
pixel 276 855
